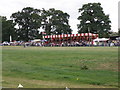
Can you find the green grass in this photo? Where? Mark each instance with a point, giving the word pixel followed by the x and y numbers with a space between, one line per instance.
pixel 60 66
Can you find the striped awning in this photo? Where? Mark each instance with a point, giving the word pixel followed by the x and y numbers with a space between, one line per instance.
pixel 72 35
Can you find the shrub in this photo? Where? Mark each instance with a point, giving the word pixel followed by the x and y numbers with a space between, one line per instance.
pixel 84 67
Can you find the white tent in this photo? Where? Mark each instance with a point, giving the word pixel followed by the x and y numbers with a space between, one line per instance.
pixel 100 39
pixel 10 38
pixel 118 38
pixel 36 40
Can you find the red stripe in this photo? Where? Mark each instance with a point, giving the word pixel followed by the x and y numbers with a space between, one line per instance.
pixel 84 34
pixel 60 36
pixel 88 34
pixel 97 35
pixel 80 35
pixel 92 36
pixel 73 35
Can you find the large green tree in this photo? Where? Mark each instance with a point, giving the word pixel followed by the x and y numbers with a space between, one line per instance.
pixel 7 29
pixel 55 22
pixel 94 20
pixel 28 22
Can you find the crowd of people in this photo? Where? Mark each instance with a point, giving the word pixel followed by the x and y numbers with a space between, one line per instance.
pixel 85 43
pixel 62 43
pixel 68 43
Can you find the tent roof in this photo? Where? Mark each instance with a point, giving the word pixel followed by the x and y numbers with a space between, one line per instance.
pixel 101 39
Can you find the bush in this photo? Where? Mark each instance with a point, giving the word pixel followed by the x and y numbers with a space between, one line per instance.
pixel 84 67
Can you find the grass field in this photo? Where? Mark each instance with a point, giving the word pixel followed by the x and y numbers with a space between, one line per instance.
pixel 58 67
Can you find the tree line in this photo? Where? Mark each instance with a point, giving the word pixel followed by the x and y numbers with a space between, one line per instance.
pixel 25 24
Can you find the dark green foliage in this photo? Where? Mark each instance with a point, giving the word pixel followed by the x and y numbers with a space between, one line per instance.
pixel 84 67
pixel 114 33
pixel 7 29
pixel 94 20
pixel 55 22
pixel 28 21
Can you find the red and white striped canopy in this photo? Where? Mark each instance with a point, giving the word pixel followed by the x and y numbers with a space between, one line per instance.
pixel 72 35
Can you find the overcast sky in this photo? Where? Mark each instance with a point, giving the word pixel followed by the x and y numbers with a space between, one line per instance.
pixel 7 7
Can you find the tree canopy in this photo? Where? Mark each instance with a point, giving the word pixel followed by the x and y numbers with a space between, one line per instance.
pixel 7 29
pixel 55 22
pixel 94 20
pixel 28 21
pixel 25 24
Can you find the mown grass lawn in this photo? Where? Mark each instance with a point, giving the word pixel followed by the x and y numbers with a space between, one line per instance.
pixel 53 67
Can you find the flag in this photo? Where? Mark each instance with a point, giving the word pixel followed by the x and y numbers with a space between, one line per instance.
pixel 10 38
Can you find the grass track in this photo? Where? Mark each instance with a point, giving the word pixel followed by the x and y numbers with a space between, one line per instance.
pixel 61 66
